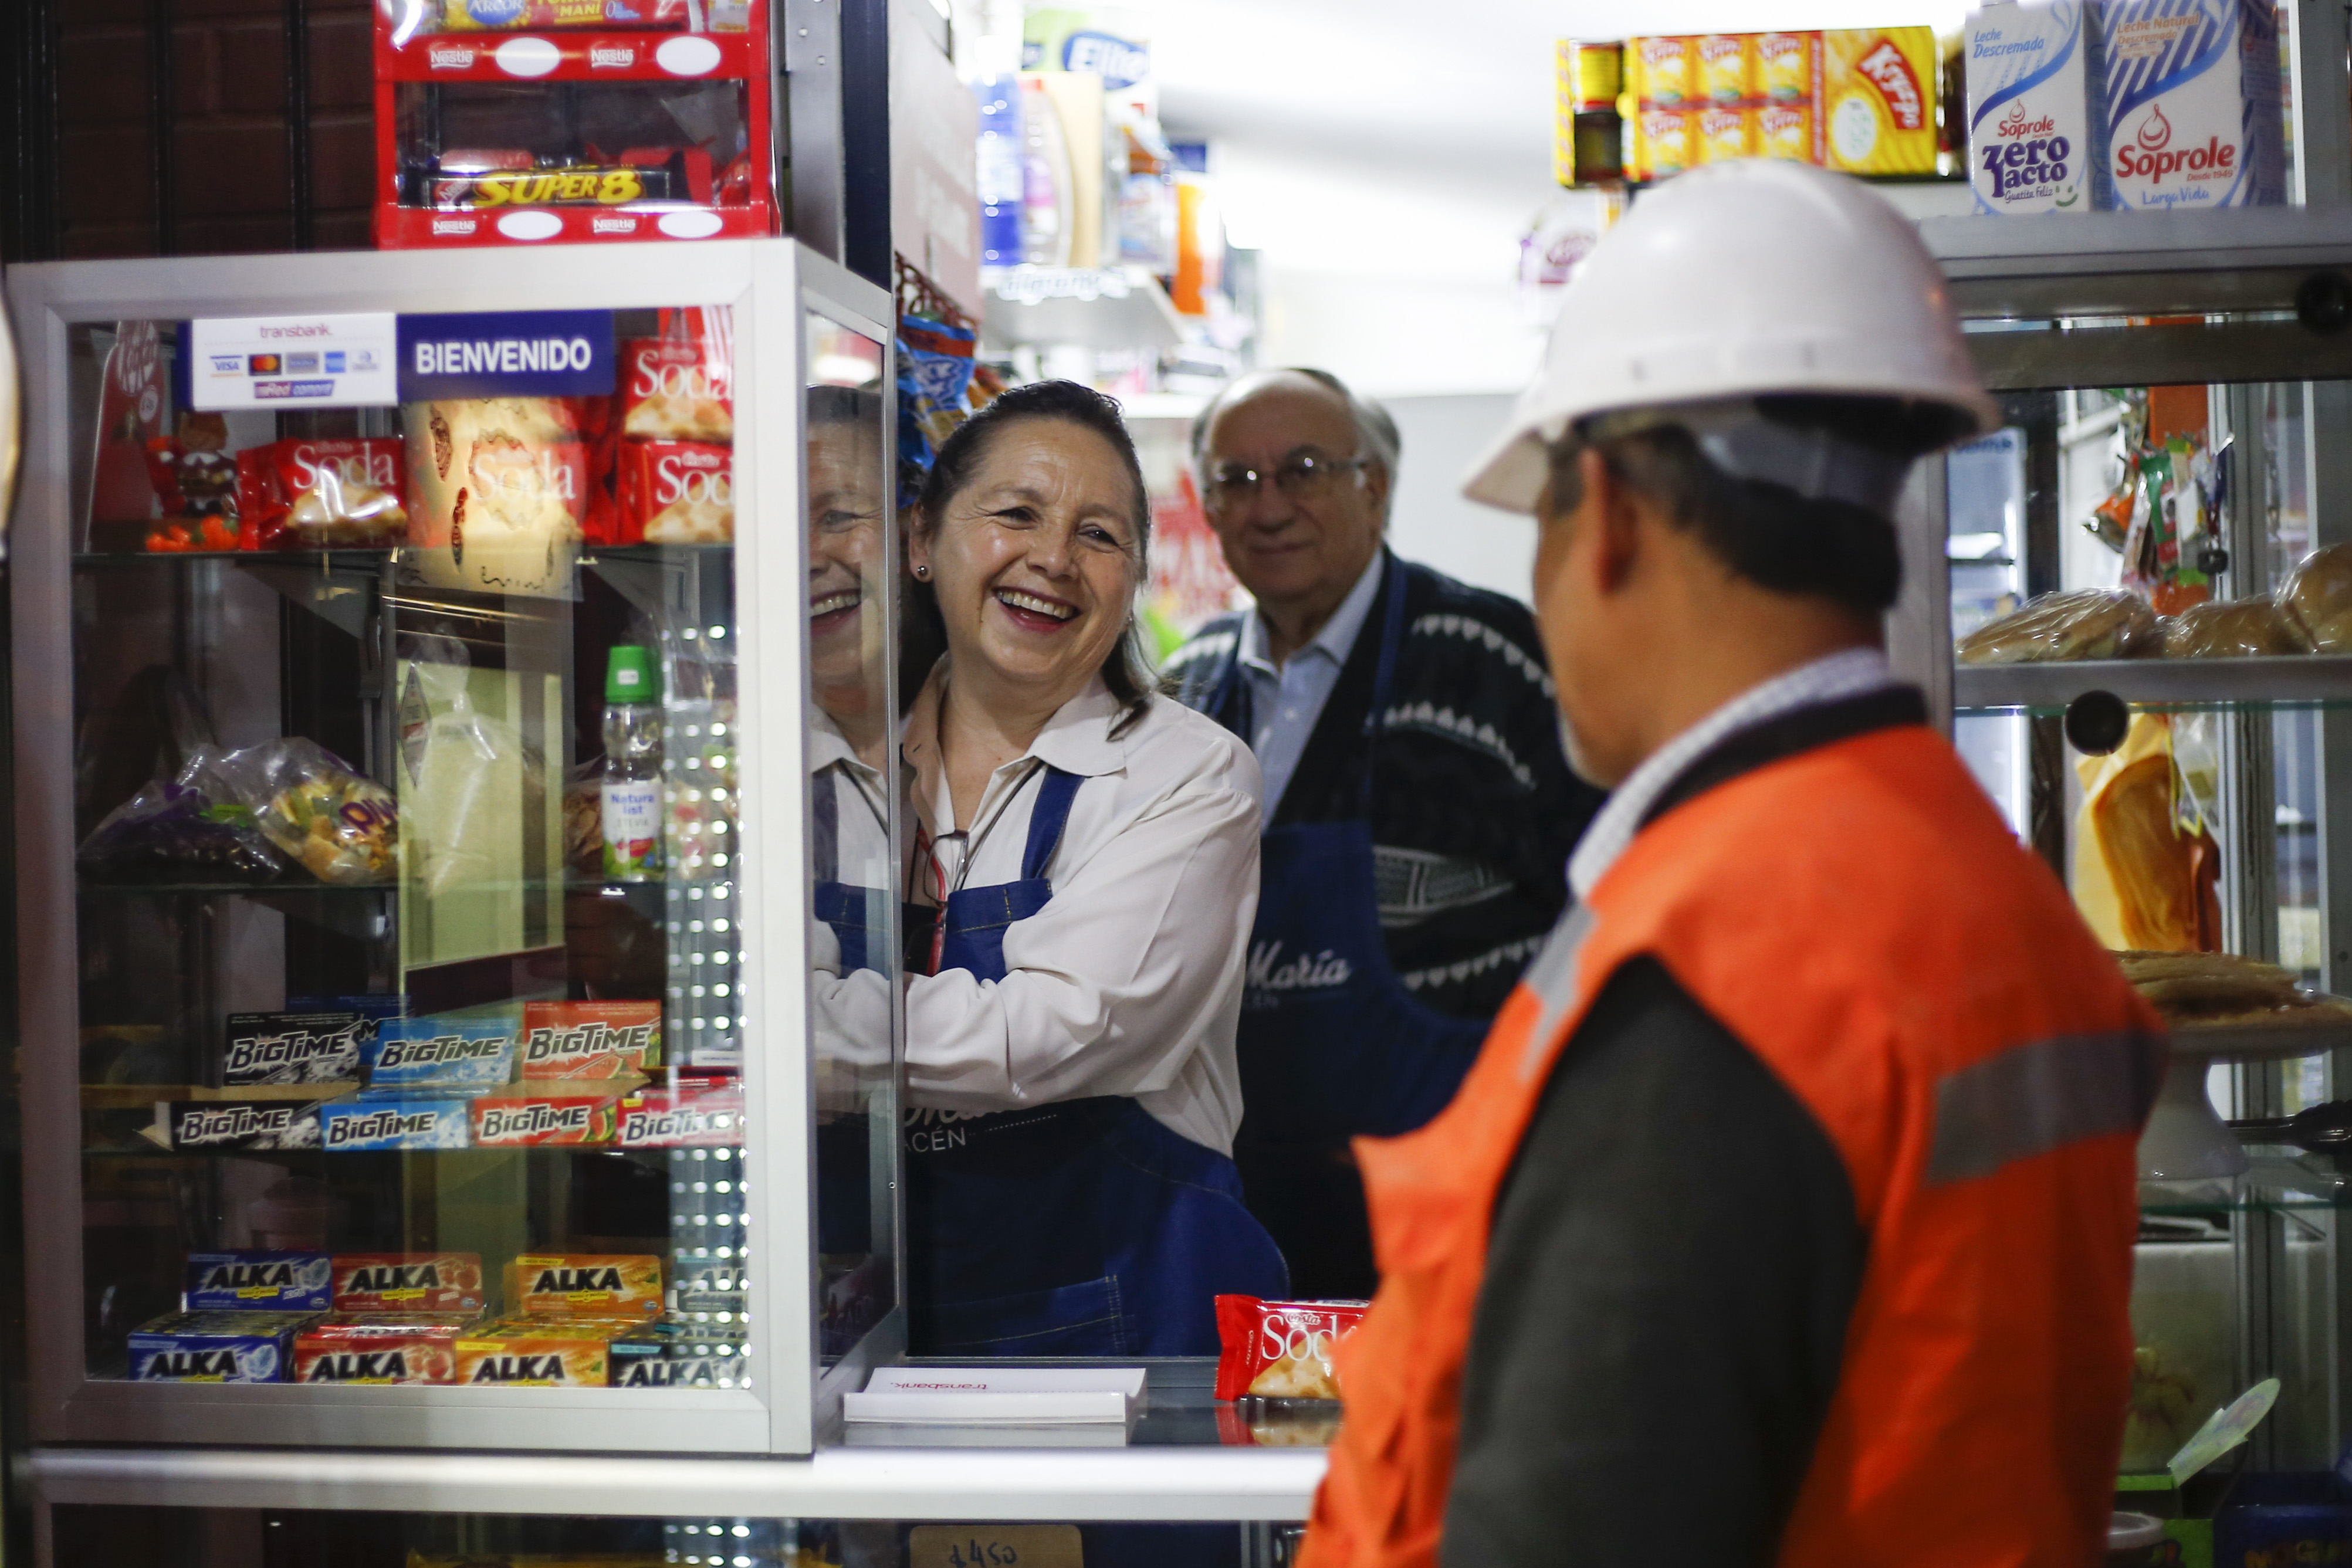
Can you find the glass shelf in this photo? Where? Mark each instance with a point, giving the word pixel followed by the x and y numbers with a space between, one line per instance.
pixel 2309 680
pixel 2281 1179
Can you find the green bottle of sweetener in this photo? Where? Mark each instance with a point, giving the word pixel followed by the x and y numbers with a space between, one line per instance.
pixel 632 759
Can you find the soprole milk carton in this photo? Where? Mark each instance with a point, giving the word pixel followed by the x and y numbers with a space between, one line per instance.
pixel 2193 114
pixel 2037 107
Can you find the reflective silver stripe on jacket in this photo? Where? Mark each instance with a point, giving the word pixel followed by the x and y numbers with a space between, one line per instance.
pixel 2032 1099
pixel 1552 977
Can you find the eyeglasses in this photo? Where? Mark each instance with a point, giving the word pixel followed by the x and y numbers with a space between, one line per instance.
pixel 1303 477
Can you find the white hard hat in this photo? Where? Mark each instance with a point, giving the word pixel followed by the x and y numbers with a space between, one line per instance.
pixel 1734 281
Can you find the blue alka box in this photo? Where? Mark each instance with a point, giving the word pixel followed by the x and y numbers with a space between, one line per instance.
pixel 260 1281
pixel 442 1052
pixel 427 1120
pixel 216 1347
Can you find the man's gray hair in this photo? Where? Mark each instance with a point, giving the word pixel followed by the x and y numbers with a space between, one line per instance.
pixel 1376 431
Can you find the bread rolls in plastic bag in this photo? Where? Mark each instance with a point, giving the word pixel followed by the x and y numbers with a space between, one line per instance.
pixel 2319 595
pixel 2083 623
pixel 2233 629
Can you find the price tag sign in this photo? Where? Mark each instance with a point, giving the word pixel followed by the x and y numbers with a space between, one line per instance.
pixel 302 362
pixel 994 1546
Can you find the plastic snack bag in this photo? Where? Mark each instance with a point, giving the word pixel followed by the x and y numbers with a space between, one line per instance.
pixel 465 774
pixel 2318 594
pixel 174 829
pixel 2087 624
pixel 1281 1350
pixel 317 807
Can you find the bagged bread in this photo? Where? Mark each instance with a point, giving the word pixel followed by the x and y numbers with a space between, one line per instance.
pixel 2233 629
pixel 2208 989
pixel 2085 623
pixel 2319 595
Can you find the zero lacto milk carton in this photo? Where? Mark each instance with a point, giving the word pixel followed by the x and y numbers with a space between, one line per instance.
pixel 2037 107
pixel 2193 104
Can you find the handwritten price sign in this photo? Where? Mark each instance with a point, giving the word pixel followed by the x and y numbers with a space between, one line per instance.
pixel 994 1546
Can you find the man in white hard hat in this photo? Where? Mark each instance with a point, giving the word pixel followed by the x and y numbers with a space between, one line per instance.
pixel 1788 1213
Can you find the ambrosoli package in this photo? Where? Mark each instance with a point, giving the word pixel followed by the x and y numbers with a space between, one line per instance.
pixel 429 1282
pixel 1280 1350
pixel 320 494
pixel 590 1040
pixel 292 1047
pixel 258 1281
pixel 587 1285
pixel 215 1347
pixel 379 1348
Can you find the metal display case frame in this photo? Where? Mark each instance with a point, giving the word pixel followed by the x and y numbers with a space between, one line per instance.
pixel 768 284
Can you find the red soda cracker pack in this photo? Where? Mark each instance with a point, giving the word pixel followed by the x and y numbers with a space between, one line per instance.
pixel 585 1285
pixel 590 1040
pixel 1281 1350
pixel 540 1352
pixel 440 1283
pixel 315 495
pixel 692 1112
pixel 675 493
pixel 680 386
pixel 560 1110
pixel 379 1348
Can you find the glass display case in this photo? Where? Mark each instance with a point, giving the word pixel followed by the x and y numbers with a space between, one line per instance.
pixel 451 716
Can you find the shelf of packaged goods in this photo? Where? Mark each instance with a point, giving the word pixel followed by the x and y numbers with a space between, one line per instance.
pixel 2136 263
pixel 420 228
pixel 2310 680
pixel 664 56
pixel 358 561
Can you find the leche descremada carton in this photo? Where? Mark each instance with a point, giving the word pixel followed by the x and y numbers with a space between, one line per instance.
pixel 2037 107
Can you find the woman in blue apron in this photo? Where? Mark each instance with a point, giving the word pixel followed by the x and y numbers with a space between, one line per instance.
pixel 1084 873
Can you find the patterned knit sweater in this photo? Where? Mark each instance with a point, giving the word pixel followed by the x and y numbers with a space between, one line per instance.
pixel 1474 810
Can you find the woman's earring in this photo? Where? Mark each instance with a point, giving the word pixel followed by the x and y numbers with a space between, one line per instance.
pixel 922 574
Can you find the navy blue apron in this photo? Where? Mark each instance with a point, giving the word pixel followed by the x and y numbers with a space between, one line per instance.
pixel 1332 1044
pixel 1082 1227
pixel 860 920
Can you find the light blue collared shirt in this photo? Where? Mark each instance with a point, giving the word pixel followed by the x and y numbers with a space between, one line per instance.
pixel 1284 703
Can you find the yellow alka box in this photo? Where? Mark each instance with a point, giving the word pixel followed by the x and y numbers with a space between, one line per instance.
pixel 1664 71
pixel 1782 131
pixel 538 1352
pixel 1662 143
pixel 1719 135
pixel 1725 68
pixel 585 1285
pixel 1877 113
pixel 1786 65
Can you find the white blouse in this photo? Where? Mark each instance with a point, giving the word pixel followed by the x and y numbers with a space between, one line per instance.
pixel 1129 981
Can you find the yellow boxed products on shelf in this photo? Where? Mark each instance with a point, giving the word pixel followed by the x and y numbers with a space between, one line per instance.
pixel 1860 99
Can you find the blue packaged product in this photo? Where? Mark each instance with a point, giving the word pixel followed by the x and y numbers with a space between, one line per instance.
pixel 442 1052
pixel 258 1281
pixel 376 1121
pixel 216 1347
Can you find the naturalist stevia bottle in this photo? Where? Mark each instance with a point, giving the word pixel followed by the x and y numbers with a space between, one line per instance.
pixel 633 762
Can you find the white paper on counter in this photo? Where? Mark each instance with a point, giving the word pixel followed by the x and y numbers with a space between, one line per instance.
pixel 1014 1396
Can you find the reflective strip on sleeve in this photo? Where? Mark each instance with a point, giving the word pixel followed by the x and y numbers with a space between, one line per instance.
pixel 1552 977
pixel 2031 1099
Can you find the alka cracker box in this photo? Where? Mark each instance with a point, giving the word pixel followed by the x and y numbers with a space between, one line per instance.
pixel 370 1121
pixel 574 1111
pixel 585 1285
pixel 694 1112
pixel 1877 109
pixel 430 1283
pixel 292 1047
pixel 221 1124
pixel 215 1347
pixel 538 1352
pixel 2192 104
pixel 667 1354
pixel 590 1040
pixel 442 1053
pixel 258 1281
pixel 2037 109
pixel 380 1348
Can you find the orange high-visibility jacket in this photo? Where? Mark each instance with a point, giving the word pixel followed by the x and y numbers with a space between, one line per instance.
pixel 1860 916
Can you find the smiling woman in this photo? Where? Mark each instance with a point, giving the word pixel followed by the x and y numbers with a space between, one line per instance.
pixel 1085 870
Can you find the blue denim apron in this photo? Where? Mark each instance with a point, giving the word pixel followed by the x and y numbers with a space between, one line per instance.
pixel 1332 1044
pixel 860 920
pixel 1082 1227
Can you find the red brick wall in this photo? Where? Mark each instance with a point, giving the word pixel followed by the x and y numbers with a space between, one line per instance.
pixel 229 189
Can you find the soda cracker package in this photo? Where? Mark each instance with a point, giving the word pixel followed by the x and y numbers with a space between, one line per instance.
pixel 585 1285
pixel 692 1112
pixel 428 1283
pixel 323 495
pixel 257 1281
pixel 317 807
pixel 561 1112
pixel 379 1348
pixel 680 386
pixel 540 1352
pixel 675 493
pixel 220 1126
pixel 514 15
pixel 366 1123
pixel 442 1052
pixel 215 1347
pixel 292 1047
pixel 1280 1350
pixel 590 1040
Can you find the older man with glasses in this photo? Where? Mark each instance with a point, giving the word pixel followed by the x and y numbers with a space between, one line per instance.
pixel 1419 812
